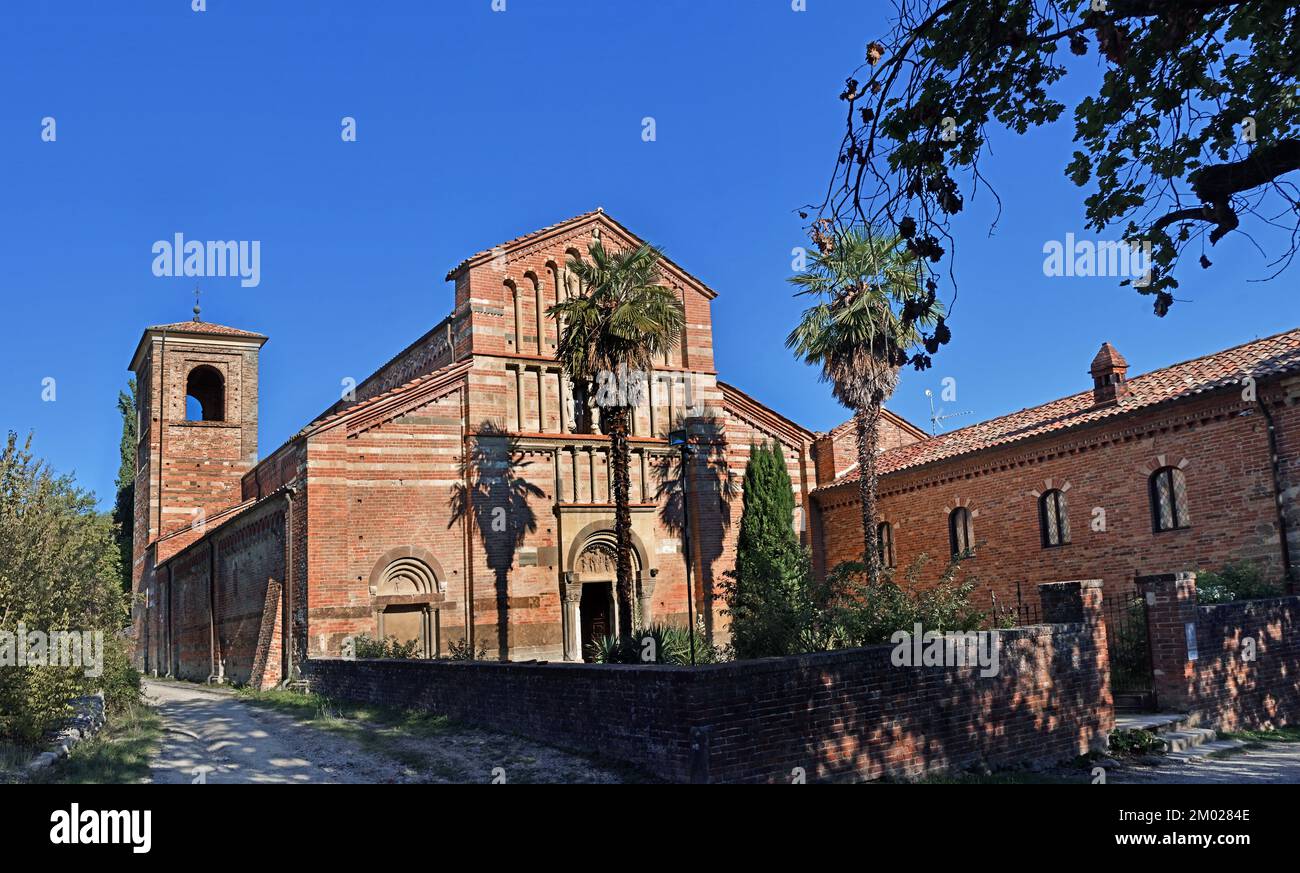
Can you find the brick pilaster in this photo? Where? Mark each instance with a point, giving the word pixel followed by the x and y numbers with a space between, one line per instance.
pixel 1171 618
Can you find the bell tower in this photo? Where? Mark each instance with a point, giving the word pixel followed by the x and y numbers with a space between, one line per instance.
pixel 196 390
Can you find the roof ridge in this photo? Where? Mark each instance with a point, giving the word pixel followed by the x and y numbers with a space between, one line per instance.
pixel 532 234
pixel 1197 375
pixel 330 420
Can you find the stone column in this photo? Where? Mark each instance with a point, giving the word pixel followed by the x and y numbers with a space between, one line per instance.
pixel 519 399
pixel 571 620
pixel 645 586
pixel 1171 634
pixel 564 401
pixel 541 400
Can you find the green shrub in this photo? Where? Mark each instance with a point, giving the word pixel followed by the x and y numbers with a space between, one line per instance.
pixel 849 610
pixel 655 644
pixel 1135 741
pixel 60 570
pixel 461 650
pixel 366 647
pixel 1243 580
pixel 120 682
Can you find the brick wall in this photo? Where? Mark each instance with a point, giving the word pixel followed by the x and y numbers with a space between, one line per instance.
pixel 233 628
pixel 844 715
pixel 1246 669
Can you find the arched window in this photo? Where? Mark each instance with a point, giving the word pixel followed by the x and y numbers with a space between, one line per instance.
pixel 207 389
pixel 885 543
pixel 961 533
pixel 1169 500
pixel 1052 517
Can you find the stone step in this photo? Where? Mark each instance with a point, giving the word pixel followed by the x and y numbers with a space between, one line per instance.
pixel 1187 738
pixel 1155 722
pixel 1204 750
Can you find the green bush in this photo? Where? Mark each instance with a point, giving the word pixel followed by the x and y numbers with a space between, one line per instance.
pixel 1135 741
pixel 120 682
pixel 60 570
pixel 655 644
pixel 849 610
pixel 366 647
pixel 1243 580
pixel 461 650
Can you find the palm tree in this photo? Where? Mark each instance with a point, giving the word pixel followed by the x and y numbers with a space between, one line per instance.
pixel 619 321
pixel 871 306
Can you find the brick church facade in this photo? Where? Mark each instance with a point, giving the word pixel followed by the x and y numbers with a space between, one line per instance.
pixel 459 498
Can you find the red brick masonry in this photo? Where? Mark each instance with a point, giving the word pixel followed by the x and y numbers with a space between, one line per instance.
pixel 1246 673
pixel 840 716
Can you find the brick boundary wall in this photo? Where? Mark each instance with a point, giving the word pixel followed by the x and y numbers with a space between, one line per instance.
pixel 840 716
pixel 1222 687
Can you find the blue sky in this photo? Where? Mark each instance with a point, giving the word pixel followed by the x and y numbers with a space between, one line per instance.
pixel 475 126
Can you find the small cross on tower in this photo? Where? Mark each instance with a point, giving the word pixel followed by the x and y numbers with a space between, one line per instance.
pixel 196 304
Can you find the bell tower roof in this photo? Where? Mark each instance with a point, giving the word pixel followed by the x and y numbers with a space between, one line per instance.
pixel 204 329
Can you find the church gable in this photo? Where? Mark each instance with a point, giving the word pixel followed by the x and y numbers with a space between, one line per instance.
pixel 502 293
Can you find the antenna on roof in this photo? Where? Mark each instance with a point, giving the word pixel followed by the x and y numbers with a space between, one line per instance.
pixel 937 417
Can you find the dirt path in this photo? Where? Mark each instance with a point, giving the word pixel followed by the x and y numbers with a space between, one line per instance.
pixel 211 734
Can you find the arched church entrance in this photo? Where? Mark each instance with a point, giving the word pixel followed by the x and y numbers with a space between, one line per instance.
pixel 591 595
pixel 406 592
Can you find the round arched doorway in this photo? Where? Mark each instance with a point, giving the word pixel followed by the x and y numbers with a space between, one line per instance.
pixel 591 596
pixel 406 590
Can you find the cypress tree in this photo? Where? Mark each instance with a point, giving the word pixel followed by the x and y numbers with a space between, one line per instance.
pixel 124 506
pixel 765 591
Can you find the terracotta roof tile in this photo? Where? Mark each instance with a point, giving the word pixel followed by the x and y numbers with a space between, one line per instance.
pixel 1271 356
pixel 206 327
pixel 520 239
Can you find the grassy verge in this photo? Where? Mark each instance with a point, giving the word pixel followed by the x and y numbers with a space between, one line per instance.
pixel 377 729
pixel 1281 735
pixel 118 754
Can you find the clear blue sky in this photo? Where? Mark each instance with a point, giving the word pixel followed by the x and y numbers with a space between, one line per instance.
pixel 473 127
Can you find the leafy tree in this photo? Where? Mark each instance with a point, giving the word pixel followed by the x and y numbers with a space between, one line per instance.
pixel 612 329
pixel 854 609
pixel 1195 121
pixel 766 592
pixel 59 570
pixel 871 306
pixel 1241 580
pixel 124 507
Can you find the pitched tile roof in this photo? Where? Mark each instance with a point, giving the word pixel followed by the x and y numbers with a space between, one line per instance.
pixel 1270 356
pixel 558 226
pixel 520 239
pixel 206 327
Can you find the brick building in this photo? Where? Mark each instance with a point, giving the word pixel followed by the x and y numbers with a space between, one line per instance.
pixel 1185 468
pixel 460 496
pixel 457 496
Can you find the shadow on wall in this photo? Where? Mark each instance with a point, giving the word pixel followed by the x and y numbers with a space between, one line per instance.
pixel 1049 700
pixel 712 485
pixel 494 496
